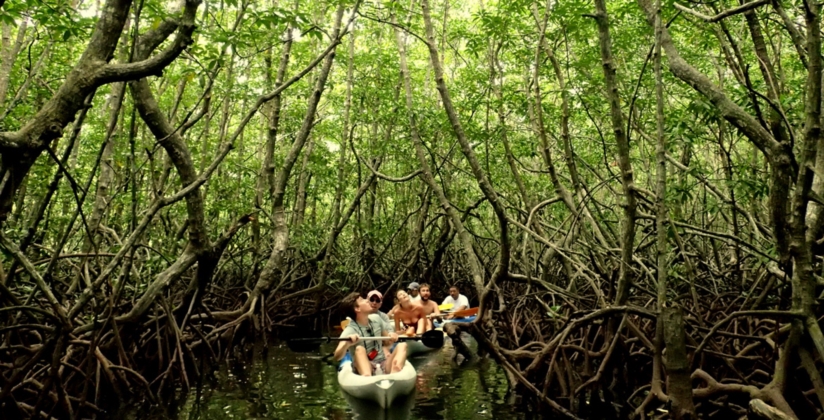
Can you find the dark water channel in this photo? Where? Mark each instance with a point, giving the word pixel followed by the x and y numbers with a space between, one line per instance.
pixel 279 384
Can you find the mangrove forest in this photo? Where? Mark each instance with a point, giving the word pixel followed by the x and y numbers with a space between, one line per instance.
pixel 628 194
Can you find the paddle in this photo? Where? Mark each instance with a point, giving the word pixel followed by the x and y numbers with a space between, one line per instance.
pixel 433 339
pixel 446 306
pixel 443 308
pixel 465 313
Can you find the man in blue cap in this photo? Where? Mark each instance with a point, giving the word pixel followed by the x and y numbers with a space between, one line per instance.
pixel 414 294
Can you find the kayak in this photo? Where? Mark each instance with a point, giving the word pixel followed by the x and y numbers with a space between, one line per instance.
pixel 399 410
pixel 458 320
pixel 382 389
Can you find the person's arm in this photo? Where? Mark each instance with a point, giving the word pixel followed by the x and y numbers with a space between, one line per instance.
pixel 387 345
pixel 436 314
pixel 446 301
pixel 343 346
pixel 384 332
pixel 391 313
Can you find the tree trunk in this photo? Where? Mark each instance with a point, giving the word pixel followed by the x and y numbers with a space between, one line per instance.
pixel 8 57
pixel 660 212
pixel 303 182
pixel 104 180
pixel 679 384
pixel 627 182
pixel 346 133
pixel 23 90
pixel 107 173
pixel 199 246
pixel 475 267
pixel 280 234
pixel 266 178
pixel 481 177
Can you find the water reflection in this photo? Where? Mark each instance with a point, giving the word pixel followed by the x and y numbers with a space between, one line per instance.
pixel 279 384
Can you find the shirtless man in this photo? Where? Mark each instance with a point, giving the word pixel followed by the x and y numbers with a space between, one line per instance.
pixel 430 308
pixel 411 314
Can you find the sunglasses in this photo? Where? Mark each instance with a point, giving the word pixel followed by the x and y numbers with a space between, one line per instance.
pixel 375 299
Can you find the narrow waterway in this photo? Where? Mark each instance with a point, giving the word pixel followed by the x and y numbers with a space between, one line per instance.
pixel 279 384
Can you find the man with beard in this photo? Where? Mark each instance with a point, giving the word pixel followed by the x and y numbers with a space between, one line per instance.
pixel 411 314
pixel 430 308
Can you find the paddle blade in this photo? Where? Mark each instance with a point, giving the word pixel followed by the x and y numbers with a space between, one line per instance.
pixel 432 339
pixel 465 313
pixel 446 306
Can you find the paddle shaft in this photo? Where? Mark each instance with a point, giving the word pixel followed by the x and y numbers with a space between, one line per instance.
pixel 465 312
pixel 400 338
pixel 456 314
pixel 364 338
pixel 430 338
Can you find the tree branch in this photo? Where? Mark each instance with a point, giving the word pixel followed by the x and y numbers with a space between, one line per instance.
pixel 725 14
pixel 375 171
pixel 38 279
pixel 731 111
pixel 120 72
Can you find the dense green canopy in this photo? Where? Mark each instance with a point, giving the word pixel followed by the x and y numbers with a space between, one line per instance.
pixel 177 175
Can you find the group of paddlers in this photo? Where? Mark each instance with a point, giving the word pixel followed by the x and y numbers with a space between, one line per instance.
pixel 412 314
pixel 414 310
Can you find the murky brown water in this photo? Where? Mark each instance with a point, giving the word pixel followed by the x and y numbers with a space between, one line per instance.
pixel 286 385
